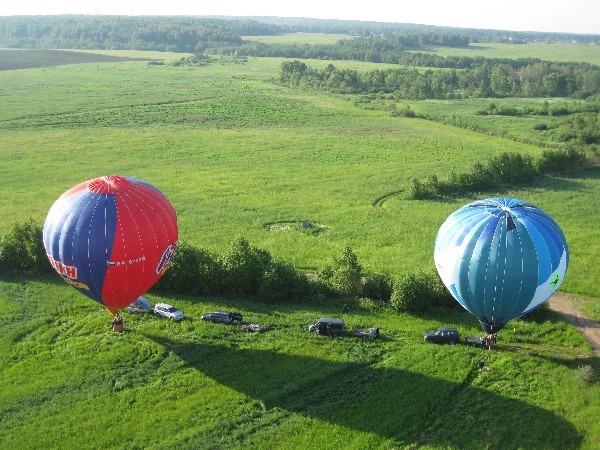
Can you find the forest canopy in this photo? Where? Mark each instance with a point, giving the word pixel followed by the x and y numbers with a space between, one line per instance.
pixel 196 33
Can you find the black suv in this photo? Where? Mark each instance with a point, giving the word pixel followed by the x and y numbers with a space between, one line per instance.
pixel 328 326
pixel 225 317
pixel 442 336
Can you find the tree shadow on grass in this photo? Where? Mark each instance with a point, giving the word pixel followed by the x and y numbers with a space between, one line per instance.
pixel 408 407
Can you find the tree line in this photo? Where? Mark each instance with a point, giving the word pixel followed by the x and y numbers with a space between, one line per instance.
pixel 500 171
pixel 376 42
pixel 370 28
pixel 490 79
pixel 195 34
pixel 248 272
pixel 177 34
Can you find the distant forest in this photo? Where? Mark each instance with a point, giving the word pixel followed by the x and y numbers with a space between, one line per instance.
pixel 200 34
pixel 370 41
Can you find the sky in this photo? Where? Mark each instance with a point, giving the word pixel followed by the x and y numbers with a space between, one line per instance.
pixel 567 16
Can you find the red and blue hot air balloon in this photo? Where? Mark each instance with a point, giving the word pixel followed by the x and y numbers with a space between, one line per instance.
pixel 500 258
pixel 111 238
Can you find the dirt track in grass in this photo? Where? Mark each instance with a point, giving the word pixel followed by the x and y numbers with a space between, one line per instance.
pixel 566 305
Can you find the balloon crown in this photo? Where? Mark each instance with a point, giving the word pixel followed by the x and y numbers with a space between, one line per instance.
pixel 108 184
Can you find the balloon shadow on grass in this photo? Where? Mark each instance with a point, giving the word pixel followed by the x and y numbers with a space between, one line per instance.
pixel 408 407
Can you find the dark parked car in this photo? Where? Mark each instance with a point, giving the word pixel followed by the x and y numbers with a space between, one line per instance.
pixel 475 341
pixel 442 336
pixel 225 317
pixel 328 326
pixel 488 341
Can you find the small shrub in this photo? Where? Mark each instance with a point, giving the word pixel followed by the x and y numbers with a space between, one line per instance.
pixel 540 126
pixel 420 292
pixel 418 190
pixel 243 267
pixel 281 283
pixel 192 270
pixel 22 249
pixel 411 293
pixel 379 287
pixel 553 161
pixel 585 374
pixel 343 277
pixel 511 168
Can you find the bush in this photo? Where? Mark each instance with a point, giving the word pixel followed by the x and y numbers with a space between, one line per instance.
pixel 244 267
pixel 379 287
pixel 343 277
pixel 553 161
pixel 418 190
pixel 411 293
pixel 22 249
pixel 511 168
pixel 420 292
pixel 281 283
pixel 192 270
pixel 540 126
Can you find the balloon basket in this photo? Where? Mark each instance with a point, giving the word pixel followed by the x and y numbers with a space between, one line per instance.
pixel 117 328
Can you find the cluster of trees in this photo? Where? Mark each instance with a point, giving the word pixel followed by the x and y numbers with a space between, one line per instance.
pixel 250 272
pixel 490 79
pixel 507 169
pixel 179 34
pixel 369 28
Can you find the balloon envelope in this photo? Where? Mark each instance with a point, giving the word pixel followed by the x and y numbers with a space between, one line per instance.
pixel 500 258
pixel 111 238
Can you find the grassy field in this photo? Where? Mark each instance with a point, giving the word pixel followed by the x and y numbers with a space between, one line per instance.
pixel 563 52
pixel 69 382
pixel 26 59
pixel 236 154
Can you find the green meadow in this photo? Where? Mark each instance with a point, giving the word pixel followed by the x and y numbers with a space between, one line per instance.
pixel 236 153
pixel 67 381
pixel 563 52
pixel 556 51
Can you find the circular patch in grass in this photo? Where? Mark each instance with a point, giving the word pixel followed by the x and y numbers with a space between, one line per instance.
pixel 303 226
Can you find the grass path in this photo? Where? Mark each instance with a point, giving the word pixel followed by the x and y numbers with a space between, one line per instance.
pixel 564 304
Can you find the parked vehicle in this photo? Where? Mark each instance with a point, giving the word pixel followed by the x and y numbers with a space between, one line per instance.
pixel 168 311
pixel 475 341
pixel 487 341
pixel 328 326
pixel 225 317
pixel 442 336
pixel 140 305
pixel 252 327
pixel 372 333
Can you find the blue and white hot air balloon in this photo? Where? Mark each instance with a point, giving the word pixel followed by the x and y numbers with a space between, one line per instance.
pixel 501 258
